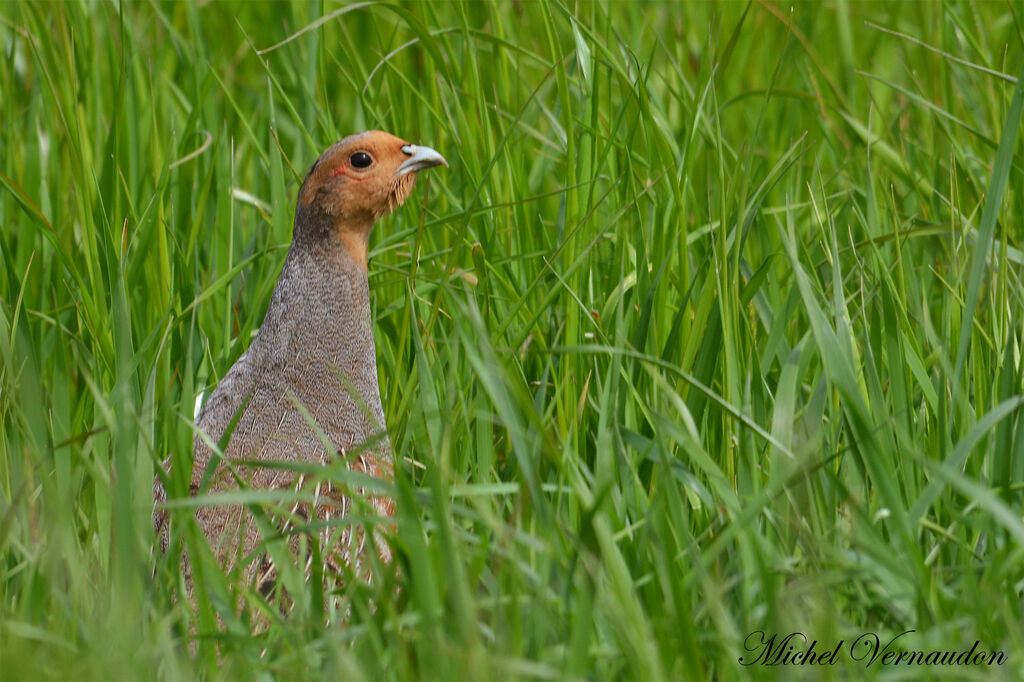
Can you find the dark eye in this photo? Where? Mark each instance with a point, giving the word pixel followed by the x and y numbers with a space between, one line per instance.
pixel 360 160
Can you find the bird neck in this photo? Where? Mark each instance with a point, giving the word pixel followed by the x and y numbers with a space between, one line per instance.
pixel 318 230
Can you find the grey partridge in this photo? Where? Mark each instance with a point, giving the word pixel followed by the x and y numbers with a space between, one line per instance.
pixel 306 390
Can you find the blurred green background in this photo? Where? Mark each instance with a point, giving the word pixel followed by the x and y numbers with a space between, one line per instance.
pixel 713 326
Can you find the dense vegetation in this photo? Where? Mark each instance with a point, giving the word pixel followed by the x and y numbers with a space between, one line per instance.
pixel 713 326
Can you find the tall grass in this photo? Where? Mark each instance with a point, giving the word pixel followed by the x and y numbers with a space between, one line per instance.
pixel 713 326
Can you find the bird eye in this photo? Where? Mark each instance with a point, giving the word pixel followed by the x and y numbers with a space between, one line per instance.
pixel 360 160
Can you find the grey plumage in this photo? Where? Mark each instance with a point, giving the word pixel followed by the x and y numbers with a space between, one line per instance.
pixel 315 348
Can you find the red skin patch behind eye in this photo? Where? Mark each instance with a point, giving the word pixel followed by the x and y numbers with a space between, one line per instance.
pixel 341 170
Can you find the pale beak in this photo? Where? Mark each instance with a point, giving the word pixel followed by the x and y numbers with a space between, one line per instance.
pixel 419 158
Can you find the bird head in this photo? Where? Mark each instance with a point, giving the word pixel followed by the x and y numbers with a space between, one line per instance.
pixel 360 179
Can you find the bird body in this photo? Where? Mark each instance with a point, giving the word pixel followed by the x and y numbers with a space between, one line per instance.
pixel 306 390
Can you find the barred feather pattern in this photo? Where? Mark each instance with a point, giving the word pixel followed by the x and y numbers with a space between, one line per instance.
pixel 344 542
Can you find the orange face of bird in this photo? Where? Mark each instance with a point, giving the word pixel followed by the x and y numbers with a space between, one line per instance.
pixel 366 176
pixel 362 178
